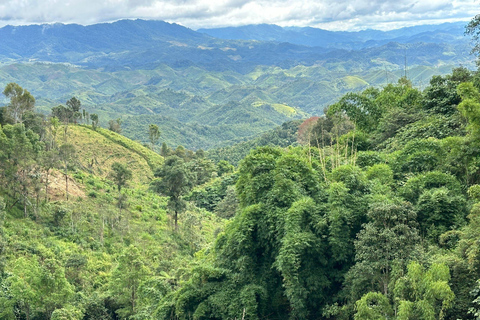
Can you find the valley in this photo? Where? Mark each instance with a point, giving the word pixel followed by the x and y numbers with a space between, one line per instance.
pixel 205 92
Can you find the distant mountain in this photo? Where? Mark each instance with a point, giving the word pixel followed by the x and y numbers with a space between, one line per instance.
pixel 56 40
pixel 443 33
pixel 138 44
pixel 141 44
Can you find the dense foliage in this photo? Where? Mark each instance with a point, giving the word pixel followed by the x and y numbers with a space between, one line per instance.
pixel 371 219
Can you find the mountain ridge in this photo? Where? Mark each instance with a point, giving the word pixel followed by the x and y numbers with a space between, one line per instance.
pixel 309 36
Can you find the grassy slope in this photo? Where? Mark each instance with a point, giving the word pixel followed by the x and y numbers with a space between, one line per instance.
pixel 98 150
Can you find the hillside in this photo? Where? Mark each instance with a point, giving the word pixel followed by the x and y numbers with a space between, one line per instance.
pixel 84 239
pixel 98 149
pixel 192 105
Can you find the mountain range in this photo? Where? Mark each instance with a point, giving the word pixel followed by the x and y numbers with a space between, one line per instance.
pixel 314 37
pixel 143 43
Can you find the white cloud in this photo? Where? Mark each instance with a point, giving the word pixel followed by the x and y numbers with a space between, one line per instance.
pixel 337 15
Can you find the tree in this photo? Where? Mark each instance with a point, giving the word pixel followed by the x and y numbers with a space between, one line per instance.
pixel 304 135
pixel 126 279
pixel 120 174
pixel 202 170
pixel 67 154
pixel 20 149
pixel 74 105
pixel 70 113
pixel 21 101
pixel 153 134
pixel 224 167
pixel 373 306
pixel 62 113
pixel 115 125
pixel 440 210
pixel 473 29
pixel 175 181
pixel 441 96
pixel 273 261
pixel 470 107
pixel 53 128
pixel 37 286
pixel 386 241
pixel 424 294
pixel 438 199
pixel 181 152
pixel 165 151
pixel 420 294
pixel 94 118
pixel 48 161
pixel 361 108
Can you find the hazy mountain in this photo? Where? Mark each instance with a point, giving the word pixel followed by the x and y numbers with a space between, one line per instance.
pixel 56 40
pixel 443 33
pixel 144 44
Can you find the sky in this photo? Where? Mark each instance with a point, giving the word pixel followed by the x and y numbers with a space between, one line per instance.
pixel 349 15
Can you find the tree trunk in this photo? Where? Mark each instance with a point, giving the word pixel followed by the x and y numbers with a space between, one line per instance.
pixel 25 205
pixel 66 181
pixel 46 185
pixel 37 205
pixel 175 217
pixel 102 229
pixel 27 311
pixel 133 299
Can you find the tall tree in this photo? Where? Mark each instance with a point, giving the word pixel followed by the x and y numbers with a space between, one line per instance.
pixel 126 279
pixel 53 129
pixel 175 181
pixel 20 150
pixel 386 241
pixel 165 151
pixel 21 101
pixel 115 125
pixel 74 105
pixel 94 118
pixel 153 134
pixel 120 174
pixel 48 161
pixel 420 294
pixel 473 29
pixel 67 153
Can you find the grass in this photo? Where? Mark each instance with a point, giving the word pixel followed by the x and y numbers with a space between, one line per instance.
pixel 355 82
pixel 154 160
pixel 98 150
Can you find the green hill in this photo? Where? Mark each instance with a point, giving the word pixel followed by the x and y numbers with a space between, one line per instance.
pixel 197 115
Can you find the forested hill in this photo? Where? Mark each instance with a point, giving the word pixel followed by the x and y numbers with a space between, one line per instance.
pixel 375 216
pixel 369 212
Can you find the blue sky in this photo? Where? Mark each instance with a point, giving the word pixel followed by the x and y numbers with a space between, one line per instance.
pixel 327 14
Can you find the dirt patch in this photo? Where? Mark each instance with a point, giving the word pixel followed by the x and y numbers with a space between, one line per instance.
pixel 56 187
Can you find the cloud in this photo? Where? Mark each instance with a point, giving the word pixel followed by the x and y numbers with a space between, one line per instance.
pixel 336 15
